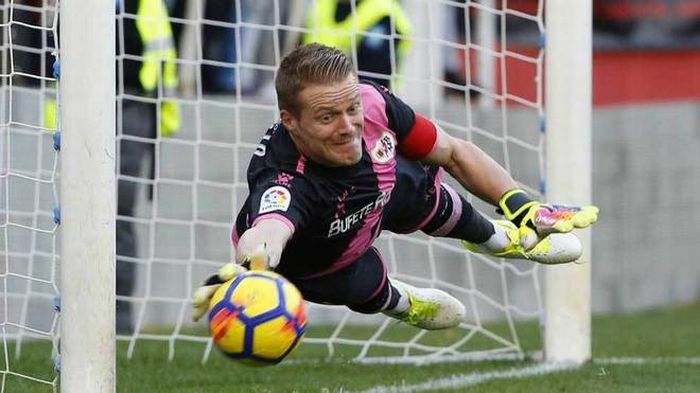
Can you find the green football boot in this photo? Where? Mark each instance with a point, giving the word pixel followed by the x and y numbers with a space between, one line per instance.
pixel 430 308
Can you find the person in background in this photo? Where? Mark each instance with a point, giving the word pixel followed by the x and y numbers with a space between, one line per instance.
pixel 235 38
pixel 146 110
pixel 375 22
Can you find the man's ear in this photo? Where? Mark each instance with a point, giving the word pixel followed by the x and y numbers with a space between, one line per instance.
pixel 288 120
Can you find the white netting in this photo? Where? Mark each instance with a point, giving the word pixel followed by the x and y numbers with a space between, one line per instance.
pixel 28 194
pixel 182 228
pixel 200 182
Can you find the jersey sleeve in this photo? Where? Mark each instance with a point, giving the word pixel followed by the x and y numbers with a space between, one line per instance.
pixel 282 196
pixel 400 115
pixel 416 134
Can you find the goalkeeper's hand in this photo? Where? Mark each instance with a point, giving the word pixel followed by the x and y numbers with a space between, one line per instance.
pixel 545 219
pixel 524 243
pixel 201 297
pixel 256 260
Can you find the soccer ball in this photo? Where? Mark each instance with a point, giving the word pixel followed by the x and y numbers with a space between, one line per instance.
pixel 258 317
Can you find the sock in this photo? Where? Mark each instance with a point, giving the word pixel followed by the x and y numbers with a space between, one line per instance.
pixel 498 241
pixel 402 300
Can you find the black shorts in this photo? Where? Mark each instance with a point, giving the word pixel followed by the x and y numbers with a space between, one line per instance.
pixel 420 201
pixel 415 196
pixel 359 283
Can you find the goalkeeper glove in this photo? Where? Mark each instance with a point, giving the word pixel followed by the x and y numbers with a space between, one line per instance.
pixel 257 260
pixel 523 243
pixel 517 206
pixel 201 297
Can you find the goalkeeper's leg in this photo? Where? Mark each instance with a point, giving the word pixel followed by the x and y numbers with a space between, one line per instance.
pixel 456 218
pixel 364 287
pixel 426 308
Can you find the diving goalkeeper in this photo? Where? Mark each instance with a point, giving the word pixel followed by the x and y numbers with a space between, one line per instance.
pixel 349 159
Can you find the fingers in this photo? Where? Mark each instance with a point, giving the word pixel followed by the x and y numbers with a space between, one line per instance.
pixel 528 237
pixel 548 220
pixel 562 226
pixel 258 259
pixel 230 270
pixel 203 294
pixel 201 297
pixel 200 300
pixel 563 219
pixel 586 217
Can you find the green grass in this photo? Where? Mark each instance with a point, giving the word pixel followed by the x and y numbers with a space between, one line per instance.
pixel 673 332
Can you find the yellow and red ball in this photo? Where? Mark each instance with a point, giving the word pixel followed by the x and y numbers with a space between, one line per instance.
pixel 258 317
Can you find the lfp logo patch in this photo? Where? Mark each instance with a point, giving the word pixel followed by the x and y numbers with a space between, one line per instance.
pixel 275 198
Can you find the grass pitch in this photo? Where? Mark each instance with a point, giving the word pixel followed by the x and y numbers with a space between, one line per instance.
pixel 654 351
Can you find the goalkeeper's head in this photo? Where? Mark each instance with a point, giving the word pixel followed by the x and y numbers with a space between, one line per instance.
pixel 319 100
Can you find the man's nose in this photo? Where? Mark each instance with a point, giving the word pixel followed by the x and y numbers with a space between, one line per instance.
pixel 346 123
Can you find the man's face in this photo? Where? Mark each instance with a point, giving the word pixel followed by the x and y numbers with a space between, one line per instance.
pixel 328 129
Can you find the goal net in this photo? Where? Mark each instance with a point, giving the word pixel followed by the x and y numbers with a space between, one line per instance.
pixel 227 103
pixel 29 214
pixel 474 67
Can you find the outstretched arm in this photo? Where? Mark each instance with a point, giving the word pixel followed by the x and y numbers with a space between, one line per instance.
pixel 475 170
pixel 261 246
pixel 486 179
pixel 526 235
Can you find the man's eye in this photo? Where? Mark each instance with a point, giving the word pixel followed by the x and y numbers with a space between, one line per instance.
pixel 326 118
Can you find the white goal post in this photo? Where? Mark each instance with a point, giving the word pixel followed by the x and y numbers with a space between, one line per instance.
pixel 88 207
pixel 568 70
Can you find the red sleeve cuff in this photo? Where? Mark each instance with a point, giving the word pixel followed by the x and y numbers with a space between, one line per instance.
pixel 420 140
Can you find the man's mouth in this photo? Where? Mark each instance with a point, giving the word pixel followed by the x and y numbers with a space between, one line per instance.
pixel 345 142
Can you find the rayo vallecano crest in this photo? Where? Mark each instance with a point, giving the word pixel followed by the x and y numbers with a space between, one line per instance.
pixel 385 148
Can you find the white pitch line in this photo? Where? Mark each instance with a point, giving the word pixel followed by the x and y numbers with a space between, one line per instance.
pixel 643 361
pixel 464 380
pixel 428 360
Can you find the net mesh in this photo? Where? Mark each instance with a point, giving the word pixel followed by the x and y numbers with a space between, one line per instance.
pixel 28 193
pixel 200 172
pixel 473 67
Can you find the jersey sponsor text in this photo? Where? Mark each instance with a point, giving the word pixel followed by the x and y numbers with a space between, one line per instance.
pixel 342 225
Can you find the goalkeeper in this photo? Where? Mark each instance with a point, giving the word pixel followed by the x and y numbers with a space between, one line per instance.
pixel 349 159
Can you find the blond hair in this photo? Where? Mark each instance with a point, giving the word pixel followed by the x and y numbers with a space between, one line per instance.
pixel 309 64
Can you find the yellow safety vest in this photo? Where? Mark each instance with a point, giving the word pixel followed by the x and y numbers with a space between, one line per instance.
pixel 158 51
pixel 158 46
pixel 324 29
